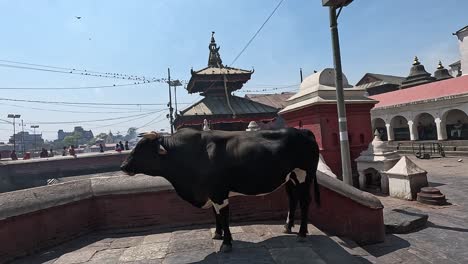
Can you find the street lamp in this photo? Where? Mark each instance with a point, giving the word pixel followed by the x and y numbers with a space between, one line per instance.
pixel 34 127
pixel 174 84
pixel 342 122
pixel 14 116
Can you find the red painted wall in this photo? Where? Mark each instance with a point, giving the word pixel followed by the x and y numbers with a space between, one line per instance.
pixel 30 232
pixel 322 120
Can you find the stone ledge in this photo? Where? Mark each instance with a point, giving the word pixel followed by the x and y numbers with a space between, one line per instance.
pixel 60 158
pixel 350 192
pixel 34 199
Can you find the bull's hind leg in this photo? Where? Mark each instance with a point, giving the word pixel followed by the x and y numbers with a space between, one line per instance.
pixel 219 229
pixel 304 201
pixel 292 197
pixel 223 212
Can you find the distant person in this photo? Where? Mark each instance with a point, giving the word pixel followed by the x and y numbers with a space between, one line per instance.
pixel 457 129
pixel 421 131
pixel 101 148
pixel 72 151
pixel 126 145
pixel 44 153
pixel 117 148
pixel 13 155
pixel 121 145
pixel 64 151
pixel 51 152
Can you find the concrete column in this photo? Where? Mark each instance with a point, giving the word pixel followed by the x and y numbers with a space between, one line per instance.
pixel 389 132
pixel 413 131
pixel 441 131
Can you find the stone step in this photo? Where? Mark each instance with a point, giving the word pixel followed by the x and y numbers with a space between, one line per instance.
pixel 430 190
pixel 431 195
pixel 404 220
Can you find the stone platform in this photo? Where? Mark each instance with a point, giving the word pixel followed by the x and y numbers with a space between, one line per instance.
pixel 254 243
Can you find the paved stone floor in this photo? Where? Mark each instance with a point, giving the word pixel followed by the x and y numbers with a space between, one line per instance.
pixel 254 243
pixel 444 240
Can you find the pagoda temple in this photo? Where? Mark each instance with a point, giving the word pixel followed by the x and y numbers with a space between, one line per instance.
pixel 417 76
pixel 219 107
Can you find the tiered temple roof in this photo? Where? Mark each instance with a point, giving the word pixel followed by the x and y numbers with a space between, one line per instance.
pixel 418 75
pixel 216 83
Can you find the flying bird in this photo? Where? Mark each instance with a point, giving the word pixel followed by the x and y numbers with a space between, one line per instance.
pixel 78 17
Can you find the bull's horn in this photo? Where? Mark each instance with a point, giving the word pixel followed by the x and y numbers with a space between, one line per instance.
pixel 150 135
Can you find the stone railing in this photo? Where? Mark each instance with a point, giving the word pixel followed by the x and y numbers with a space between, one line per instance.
pixel 41 217
pixel 22 174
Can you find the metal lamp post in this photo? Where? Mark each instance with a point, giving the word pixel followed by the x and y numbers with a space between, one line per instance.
pixel 34 127
pixel 342 122
pixel 14 116
pixel 174 84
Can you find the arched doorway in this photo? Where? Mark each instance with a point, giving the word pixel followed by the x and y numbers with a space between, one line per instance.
pixel 400 128
pixel 379 125
pixel 426 127
pixel 456 124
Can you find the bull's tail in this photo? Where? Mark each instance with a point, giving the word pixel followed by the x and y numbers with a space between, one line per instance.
pixel 315 183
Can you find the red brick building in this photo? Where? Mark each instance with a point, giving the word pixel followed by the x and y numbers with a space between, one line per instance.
pixel 314 107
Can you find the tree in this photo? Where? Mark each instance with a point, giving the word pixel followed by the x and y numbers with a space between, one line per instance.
pixel 70 140
pixel 131 133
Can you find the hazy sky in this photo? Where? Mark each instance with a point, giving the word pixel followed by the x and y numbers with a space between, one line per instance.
pixel 147 37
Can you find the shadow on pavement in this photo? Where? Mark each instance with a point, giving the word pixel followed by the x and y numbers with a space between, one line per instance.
pixel 284 249
pixel 392 243
pixel 458 229
pixel 277 249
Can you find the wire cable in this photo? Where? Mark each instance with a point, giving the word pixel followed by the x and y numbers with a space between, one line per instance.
pixel 74 88
pixel 89 121
pixel 256 33
pixel 71 69
pixel 80 112
pixel 80 103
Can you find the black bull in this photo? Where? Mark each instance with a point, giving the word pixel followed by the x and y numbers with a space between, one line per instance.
pixel 207 167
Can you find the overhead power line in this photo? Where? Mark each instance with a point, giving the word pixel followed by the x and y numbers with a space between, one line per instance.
pixel 79 103
pixel 90 121
pixel 81 112
pixel 75 70
pixel 270 89
pixel 75 88
pixel 154 120
pixel 125 121
pixel 256 33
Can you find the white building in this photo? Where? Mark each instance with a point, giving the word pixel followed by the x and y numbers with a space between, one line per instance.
pixel 462 36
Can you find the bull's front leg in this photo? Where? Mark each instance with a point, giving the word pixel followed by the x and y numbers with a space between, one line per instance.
pixel 222 209
pixel 218 235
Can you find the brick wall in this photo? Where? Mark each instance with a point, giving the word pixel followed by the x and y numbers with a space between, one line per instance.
pixel 30 231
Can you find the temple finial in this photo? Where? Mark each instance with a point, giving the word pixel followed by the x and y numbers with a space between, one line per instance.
pixel 416 61
pixel 440 66
pixel 214 59
pixel 212 37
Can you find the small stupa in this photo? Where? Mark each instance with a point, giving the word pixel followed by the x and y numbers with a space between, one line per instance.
pixel 377 158
pixel 406 179
pixel 253 126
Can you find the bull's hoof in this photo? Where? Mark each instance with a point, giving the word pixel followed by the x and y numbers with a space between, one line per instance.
pixel 287 229
pixel 301 238
pixel 225 248
pixel 217 236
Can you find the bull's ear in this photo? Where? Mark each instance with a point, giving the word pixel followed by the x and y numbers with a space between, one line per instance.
pixel 150 135
pixel 162 150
